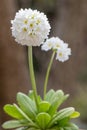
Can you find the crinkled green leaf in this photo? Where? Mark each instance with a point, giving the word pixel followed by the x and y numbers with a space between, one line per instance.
pixel 71 126
pixel 16 112
pixel 52 95
pixel 49 95
pixel 54 106
pixel 75 114
pixel 67 128
pixel 22 113
pixel 33 129
pixel 55 99
pixel 22 128
pixel 13 111
pixel 13 124
pixel 66 112
pixel 27 105
pixel 63 122
pixel 74 127
pixel 57 94
pixel 61 128
pixel 55 128
pixel 43 119
pixel 44 106
pixel 31 95
pixel 58 99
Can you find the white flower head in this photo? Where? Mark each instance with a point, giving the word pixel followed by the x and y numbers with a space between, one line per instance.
pixel 57 45
pixel 52 43
pixel 30 27
pixel 63 54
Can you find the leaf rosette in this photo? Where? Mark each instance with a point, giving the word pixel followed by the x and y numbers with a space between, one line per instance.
pixel 26 116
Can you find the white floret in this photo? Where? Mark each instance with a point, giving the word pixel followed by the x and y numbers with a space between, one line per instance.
pixel 63 54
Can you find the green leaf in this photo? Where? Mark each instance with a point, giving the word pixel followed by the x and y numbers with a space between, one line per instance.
pixel 66 112
pixel 49 95
pixel 32 129
pixel 58 99
pixel 71 126
pixel 31 95
pixel 75 114
pixel 22 113
pixel 56 128
pixel 43 119
pixel 57 95
pixel 16 112
pixel 21 128
pixel 44 106
pixel 27 105
pixel 61 128
pixel 67 128
pixel 53 108
pixel 63 122
pixel 12 124
pixel 13 111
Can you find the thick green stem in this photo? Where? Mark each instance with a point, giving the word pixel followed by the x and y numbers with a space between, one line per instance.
pixel 48 72
pixel 32 75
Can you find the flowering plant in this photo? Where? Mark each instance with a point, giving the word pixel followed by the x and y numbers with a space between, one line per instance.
pixel 31 28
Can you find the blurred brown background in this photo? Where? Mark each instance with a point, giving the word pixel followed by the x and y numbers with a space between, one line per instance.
pixel 68 19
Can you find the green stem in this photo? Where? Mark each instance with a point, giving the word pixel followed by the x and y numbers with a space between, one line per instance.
pixel 32 75
pixel 48 72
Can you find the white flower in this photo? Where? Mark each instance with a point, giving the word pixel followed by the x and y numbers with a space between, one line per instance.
pixel 52 43
pixel 57 45
pixel 30 27
pixel 63 54
pixel 47 45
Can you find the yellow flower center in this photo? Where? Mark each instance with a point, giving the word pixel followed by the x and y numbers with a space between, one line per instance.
pixel 32 17
pixel 32 34
pixel 31 25
pixel 57 45
pixel 26 21
pixel 25 29
pixel 38 21
pixel 60 54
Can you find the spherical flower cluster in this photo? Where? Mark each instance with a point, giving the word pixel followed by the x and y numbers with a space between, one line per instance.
pixel 30 27
pixel 57 45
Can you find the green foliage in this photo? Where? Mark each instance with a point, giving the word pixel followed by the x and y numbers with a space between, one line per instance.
pixel 55 99
pixel 27 105
pixel 44 106
pixel 15 124
pixel 47 116
pixel 13 111
pixel 43 119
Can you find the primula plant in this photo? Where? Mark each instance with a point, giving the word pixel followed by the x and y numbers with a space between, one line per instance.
pixel 31 28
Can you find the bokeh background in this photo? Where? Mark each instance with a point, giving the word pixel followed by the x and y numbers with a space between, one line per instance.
pixel 68 19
